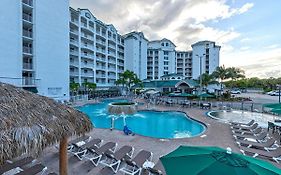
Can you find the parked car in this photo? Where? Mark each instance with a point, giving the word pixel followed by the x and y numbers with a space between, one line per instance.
pixel 276 93
pixel 235 91
pixel 270 92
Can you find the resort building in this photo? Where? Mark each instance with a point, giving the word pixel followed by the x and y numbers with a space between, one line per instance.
pixel 184 63
pixel 96 50
pixel 34 46
pixel 161 58
pixel 136 54
pixel 205 58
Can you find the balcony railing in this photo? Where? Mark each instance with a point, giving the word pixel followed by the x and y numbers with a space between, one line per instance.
pixel 27 66
pixel 28 2
pixel 27 17
pixel 28 81
pixel 101 75
pixel 27 33
pixel 27 50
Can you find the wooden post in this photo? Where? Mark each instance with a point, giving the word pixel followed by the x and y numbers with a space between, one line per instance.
pixel 63 156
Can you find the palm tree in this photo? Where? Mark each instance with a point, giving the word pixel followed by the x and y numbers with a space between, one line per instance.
pixel 221 74
pixel 235 73
pixel 207 79
pixel 128 78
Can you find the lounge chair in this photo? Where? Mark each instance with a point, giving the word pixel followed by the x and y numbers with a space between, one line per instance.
pixel 19 163
pixel 113 160
pixel 250 123
pixel 36 169
pixel 134 166
pixel 247 128
pixel 94 154
pixel 259 138
pixel 270 144
pixel 272 155
pixel 81 139
pixel 254 132
pixel 80 151
pixel 155 170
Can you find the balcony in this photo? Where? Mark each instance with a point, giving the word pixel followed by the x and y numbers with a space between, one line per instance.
pixel 27 50
pixel 27 17
pixel 27 66
pixel 101 59
pixel 87 74
pixel 100 67
pixel 28 2
pixel 86 55
pixel 28 81
pixel 100 42
pixel 73 42
pixel 73 31
pixel 74 73
pixel 101 76
pixel 74 63
pixel 112 76
pixel 74 21
pixel 100 50
pixel 112 69
pixel 72 52
pixel 27 34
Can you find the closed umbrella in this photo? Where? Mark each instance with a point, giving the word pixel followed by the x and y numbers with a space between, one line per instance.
pixel 276 111
pixel 193 160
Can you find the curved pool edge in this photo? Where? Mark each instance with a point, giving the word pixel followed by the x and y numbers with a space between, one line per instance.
pixel 205 127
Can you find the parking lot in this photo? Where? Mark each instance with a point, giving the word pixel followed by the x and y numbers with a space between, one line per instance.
pixel 260 98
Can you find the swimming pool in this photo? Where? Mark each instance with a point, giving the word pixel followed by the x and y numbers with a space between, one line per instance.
pixel 242 116
pixel 147 123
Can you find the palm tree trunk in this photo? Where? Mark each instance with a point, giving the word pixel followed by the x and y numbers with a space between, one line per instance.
pixel 63 156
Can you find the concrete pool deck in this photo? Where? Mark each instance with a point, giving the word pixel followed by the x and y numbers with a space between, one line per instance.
pixel 217 134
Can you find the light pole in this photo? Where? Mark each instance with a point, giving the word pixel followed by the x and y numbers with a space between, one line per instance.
pixel 200 71
pixel 279 88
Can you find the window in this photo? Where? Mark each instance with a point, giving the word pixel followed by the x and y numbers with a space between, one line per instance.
pixel 166 58
pixel 166 53
pixel 165 68
pixel 162 44
pixel 167 44
pixel 166 63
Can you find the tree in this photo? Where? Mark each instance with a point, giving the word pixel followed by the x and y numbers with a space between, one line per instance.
pixel 221 74
pixel 207 79
pixel 234 73
pixel 128 78
pixel 89 86
pixel 74 86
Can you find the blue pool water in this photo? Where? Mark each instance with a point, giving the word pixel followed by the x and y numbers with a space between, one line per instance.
pixel 147 123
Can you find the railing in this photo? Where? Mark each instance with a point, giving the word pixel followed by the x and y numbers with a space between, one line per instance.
pixel 27 66
pixel 74 74
pixel 74 42
pixel 74 21
pixel 27 17
pixel 74 31
pixel 27 50
pixel 101 59
pixel 100 67
pixel 101 42
pixel 28 2
pixel 27 33
pixel 73 52
pixel 101 50
pixel 101 75
pixel 87 55
pixel 28 81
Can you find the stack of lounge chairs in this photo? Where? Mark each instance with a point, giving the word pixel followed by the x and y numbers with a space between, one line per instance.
pixel 255 141
pixel 114 159
pixel 23 166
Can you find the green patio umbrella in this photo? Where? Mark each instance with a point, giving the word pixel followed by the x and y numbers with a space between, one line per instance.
pixel 273 105
pixel 276 111
pixel 193 160
pixel 184 95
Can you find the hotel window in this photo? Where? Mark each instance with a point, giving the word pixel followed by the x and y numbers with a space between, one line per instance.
pixel 166 63
pixel 166 58
pixel 165 68
pixel 166 52
pixel 162 44
pixel 167 44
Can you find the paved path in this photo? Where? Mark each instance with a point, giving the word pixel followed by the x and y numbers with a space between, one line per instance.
pixel 217 134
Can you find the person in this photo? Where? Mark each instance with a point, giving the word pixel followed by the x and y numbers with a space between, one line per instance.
pixel 127 130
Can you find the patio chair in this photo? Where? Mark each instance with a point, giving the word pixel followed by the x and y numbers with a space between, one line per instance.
pixel 271 126
pixel 94 154
pixel 134 166
pixel 250 123
pixel 36 169
pixel 81 139
pixel 254 132
pixel 270 144
pixel 18 163
pixel 80 150
pixel 247 128
pixel 112 161
pixel 155 170
pixel 271 155
pixel 259 138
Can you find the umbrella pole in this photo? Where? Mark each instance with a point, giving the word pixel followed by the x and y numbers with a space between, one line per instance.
pixel 63 156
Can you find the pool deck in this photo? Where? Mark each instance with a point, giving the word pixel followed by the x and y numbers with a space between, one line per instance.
pixel 217 134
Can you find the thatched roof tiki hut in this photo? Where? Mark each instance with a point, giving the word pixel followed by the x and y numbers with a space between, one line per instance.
pixel 30 122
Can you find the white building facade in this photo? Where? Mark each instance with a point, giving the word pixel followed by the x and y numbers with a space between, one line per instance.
pixel 206 54
pixel 34 46
pixel 136 54
pixel 161 59
pixel 96 50
pixel 184 63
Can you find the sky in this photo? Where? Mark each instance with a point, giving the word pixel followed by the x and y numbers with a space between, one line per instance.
pixel 248 31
